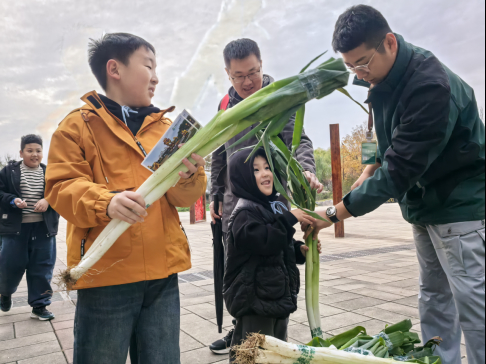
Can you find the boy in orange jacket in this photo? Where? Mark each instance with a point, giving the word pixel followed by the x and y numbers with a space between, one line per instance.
pixel 94 167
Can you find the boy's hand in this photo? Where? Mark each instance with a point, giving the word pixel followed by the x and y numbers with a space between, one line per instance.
pixel 127 206
pixel 21 204
pixel 200 162
pixel 41 206
pixel 304 249
pixel 302 217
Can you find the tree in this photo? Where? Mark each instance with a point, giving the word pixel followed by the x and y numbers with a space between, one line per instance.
pixel 351 156
pixel 5 159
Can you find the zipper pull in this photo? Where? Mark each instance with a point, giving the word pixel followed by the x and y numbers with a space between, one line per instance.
pixel 83 243
pixel 140 146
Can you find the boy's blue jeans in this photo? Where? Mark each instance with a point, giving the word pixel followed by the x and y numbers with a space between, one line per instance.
pixel 31 251
pixel 106 317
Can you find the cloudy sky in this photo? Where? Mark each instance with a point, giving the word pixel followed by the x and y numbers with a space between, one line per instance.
pixel 44 69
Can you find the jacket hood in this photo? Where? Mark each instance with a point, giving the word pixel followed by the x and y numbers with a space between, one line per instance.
pixel 116 109
pixel 243 181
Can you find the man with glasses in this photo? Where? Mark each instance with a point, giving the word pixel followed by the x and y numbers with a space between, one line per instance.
pixel 244 68
pixel 431 157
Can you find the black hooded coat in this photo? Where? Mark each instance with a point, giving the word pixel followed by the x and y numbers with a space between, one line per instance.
pixel 261 276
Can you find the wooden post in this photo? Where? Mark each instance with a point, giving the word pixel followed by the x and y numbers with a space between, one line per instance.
pixel 337 180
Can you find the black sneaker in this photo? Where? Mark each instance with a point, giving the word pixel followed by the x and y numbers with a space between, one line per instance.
pixel 222 346
pixel 6 303
pixel 42 313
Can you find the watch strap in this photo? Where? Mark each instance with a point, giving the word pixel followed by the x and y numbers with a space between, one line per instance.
pixel 334 219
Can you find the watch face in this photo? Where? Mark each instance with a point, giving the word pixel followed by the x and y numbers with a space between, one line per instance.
pixel 331 211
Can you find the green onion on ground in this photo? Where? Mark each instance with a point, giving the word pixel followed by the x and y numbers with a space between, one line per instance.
pixel 269 108
pixel 352 346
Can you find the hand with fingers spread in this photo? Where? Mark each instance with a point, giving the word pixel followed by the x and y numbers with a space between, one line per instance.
pixel 41 206
pixel 304 249
pixel 127 206
pixel 215 215
pixel 314 182
pixel 302 217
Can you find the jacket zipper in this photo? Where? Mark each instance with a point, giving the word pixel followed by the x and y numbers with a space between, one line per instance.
pixel 140 146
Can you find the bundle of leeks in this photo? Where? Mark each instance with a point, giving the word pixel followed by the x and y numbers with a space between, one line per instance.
pixel 394 343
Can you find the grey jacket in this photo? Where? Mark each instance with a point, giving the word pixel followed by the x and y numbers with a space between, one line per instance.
pixel 219 165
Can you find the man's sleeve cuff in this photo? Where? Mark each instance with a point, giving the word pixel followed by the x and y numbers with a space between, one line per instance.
pixel 348 205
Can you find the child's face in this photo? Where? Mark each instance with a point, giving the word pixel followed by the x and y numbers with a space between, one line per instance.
pixel 32 155
pixel 263 175
pixel 138 79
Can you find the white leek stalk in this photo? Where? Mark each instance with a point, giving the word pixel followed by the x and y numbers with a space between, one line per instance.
pixel 269 350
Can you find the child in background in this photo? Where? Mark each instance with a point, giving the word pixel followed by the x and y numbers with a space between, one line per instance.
pixel 28 229
pixel 261 281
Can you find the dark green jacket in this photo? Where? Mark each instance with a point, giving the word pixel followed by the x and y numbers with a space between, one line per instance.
pixel 431 143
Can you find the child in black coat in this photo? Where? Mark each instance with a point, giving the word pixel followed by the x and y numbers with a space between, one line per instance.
pixel 261 281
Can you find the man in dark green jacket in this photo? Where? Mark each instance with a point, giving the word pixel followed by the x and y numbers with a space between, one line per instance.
pixel 431 157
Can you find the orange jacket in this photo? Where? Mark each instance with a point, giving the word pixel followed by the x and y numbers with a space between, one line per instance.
pixel 93 154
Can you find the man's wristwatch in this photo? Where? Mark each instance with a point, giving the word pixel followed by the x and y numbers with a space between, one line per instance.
pixel 331 213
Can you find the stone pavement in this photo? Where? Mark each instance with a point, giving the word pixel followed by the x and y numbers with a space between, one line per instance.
pixel 370 278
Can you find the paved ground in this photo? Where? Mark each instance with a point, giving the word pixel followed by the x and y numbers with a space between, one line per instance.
pixel 370 278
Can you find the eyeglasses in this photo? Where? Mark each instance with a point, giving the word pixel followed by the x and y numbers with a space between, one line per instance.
pixel 366 67
pixel 252 77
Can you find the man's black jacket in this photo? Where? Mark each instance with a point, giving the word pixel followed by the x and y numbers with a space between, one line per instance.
pixel 219 165
pixel 10 216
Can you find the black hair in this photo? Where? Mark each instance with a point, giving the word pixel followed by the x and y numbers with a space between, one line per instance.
pixel 30 139
pixel 119 46
pixel 241 49
pixel 357 25
pixel 261 153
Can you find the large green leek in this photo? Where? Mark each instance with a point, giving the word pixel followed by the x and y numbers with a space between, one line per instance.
pixel 268 108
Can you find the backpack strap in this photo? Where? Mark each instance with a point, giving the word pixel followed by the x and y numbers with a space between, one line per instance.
pixel 224 103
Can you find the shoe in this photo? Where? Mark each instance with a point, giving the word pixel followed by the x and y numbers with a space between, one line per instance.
pixel 6 303
pixel 42 313
pixel 222 346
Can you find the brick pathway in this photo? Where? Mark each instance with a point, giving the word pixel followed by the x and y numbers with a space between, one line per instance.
pixel 368 279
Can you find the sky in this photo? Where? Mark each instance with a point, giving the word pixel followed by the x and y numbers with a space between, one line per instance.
pixel 44 69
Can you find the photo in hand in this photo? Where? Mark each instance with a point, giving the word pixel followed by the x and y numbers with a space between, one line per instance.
pixel 181 130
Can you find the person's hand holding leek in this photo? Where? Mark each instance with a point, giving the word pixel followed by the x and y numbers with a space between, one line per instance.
pixel 130 207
